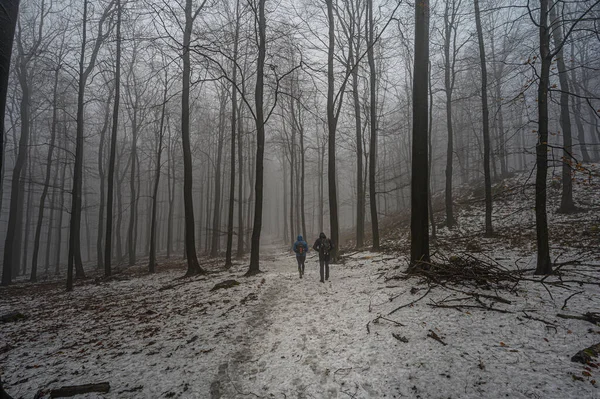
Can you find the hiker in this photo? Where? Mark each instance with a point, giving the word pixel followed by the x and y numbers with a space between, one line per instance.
pixel 324 246
pixel 300 248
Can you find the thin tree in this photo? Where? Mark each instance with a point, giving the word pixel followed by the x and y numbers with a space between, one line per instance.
pixel 234 106
pixel 373 123
pixel 450 20
pixel 486 125
pixel 161 135
pixel 566 201
pixel 190 239
pixel 74 257
pixel 113 151
pixel 259 119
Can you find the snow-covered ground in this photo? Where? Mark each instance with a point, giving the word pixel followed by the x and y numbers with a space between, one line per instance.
pixel 276 335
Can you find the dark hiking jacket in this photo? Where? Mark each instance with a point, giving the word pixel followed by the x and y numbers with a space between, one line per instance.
pixel 321 246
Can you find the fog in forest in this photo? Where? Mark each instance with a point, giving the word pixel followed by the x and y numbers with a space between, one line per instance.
pixel 201 135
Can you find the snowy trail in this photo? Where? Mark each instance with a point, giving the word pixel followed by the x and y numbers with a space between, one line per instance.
pixel 278 336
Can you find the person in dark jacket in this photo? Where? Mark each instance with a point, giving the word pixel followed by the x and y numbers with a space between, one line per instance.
pixel 300 248
pixel 324 246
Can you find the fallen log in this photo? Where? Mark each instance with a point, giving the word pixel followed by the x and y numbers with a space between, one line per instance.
pixel 586 355
pixel 68 391
pixel 225 284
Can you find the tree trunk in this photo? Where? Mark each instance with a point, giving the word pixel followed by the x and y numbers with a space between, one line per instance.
pixel 171 194
pixel 254 267
pixel 486 126
pixel 240 237
pixel 419 226
pixel 131 229
pixel 12 244
pixel 113 149
pixel 216 226
pixel 8 24
pixel 331 126
pixel 62 207
pixel 566 201
pixel 74 258
pixel 38 230
pixel 230 215
pixel 544 264
pixel 576 107
pixel 360 194
pixel 373 123
pixel 449 30
pixel 302 174
pixel 161 135
pixel 192 259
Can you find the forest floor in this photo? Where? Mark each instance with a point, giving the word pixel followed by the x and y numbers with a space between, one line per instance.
pixel 372 331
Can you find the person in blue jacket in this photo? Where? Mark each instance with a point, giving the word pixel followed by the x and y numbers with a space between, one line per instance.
pixel 300 247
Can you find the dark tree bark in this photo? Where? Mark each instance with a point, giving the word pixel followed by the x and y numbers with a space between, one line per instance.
pixel 360 193
pixel 74 257
pixel 190 240
pixel 544 264
pixel 254 267
pixel 38 229
pixel 419 226
pixel 566 201
pixel 240 237
pixel 8 23
pixel 576 107
pixel 331 127
pixel 302 170
pixel 486 125
pixel 231 204
pixel 113 150
pixel 161 135
pixel 373 123
pixel 62 206
pixel 449 79
pixel 102 174
pixel 216 224
pixel 133 189
pixel 171 193
pixel 12 244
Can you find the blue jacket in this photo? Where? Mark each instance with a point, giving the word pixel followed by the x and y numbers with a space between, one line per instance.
pixel 300 245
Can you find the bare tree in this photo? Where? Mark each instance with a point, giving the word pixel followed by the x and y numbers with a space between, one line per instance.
pixel 74 257
pixel 419 222
pixel 113 149
pixel 12 245
pixel 486 125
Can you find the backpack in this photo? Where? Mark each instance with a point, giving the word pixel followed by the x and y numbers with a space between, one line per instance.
pixel 325 246
pixel 300 249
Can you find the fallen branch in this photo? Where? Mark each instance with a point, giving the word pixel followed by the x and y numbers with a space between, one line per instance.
pixel 433 335
pixel 68 391
pixel 569 297
pixel 536 319
pixel 411 303
pixel 400 338
pixel 593 318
